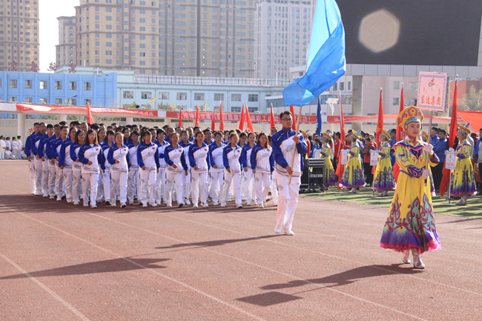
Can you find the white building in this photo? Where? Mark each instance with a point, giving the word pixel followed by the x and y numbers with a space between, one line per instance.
pixel 282 36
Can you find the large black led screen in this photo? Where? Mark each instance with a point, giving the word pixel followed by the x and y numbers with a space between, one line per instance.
pixel 412 32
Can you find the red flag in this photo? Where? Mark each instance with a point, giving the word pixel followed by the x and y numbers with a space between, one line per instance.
pixel 221 119
pixel 196 122
pixel 271 119
pixel 248 120
pixel 380 119
pixel 400 130
pixel 90 120
pixel 341 168
pixel 180 117
pixel 292 109
pixel 453 132
pixel 213 121
pixel 241 122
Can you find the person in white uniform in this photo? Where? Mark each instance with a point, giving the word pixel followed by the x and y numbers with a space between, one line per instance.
pixel 106 175
pixel 176 169
pixel 148 159
pixel 185 144
pixel 285 143
pixel 38 158
pixel 66 163
pixel 247 182
pixel 232 170
pixel 52 161
pixel 43 151
pixel 91 157
pixel 133 180
pixel 59 173
pixel 199 160
pixel 2 147
pixel 161 143
pixel 118 157
pixel 217 167
pixel 262 165
pixel 79 140
pixel 31 157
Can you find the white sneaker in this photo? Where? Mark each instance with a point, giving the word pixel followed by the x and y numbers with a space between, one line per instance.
pixel 195 206
pixel 417 260
pixel 154 204
pixel 52 197
pixel 93 206
pixel 289 232
pixel 215 203
pixel 168 205
pixel 204 204
pixel 113 204
pixel 261 205
pixel 239 206
pixel 248 203
pixel 223 204
pixel 123 205
pixel 187 202
pixel 86 205
pixel 144 205
pixel 46 196
pixel 278 229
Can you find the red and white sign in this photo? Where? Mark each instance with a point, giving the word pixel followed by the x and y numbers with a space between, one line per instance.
pixel 83 110
pixel 432 88
pixel 258 118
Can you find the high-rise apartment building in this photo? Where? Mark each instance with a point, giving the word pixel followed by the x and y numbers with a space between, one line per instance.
pixel 282 32
pixel 19 34
pixel 66 50
pixel 168 37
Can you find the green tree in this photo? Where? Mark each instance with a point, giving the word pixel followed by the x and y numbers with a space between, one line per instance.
pixel 471 100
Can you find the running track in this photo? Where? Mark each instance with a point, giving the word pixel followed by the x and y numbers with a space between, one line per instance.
pixel 61 262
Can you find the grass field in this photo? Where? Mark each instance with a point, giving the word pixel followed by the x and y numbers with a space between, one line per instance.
pixel 441 205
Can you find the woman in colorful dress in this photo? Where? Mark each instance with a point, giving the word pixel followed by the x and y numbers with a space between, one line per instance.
pixel 410 224
pixel 330 178
pixel 353 174
pixel 384 180
pixel 463 179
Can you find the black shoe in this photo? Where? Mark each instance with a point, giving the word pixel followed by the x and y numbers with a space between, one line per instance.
pixel 180 205
pixel 107 203
pixel 140 204
pixel 124 205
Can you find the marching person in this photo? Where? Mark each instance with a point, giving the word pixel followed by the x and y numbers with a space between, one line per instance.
pixel 52 164
pixel 186 183
pixel 463 180
pixel 262 165
pixel 91 157
pixel 3 145
pixel 176 169
pixel 31 157
pixel 353 174
pixel 162 142
pixel 410 224
pixel 38 160
pixel 248 175
pixel 79 140
pixel 285 143
pixel 118 157
pixel 66 162
pixel 16 150
pixel 59 173
pixel 232 170
pixel 148 160
pixel 384 180
pixel 133 181
pixel 274 185
pixel 217 167
pixel 199 160
pixel 104 190
pixel 43 151
pixel 329 177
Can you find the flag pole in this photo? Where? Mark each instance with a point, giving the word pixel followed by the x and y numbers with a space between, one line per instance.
pixel 294 150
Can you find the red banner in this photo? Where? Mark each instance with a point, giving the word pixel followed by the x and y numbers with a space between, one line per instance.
pixel 83 110
pixel 255 118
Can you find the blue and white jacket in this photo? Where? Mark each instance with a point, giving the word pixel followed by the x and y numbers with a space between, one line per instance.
pixel 160 149
pixel 74 155
pixel 199 156
pixel 246 156
pixel 105 165
pixel 43 146
pixel 175 156
pixel 232 158
pixel 186 146
pixel 118 154
pixel 133 155
pixel 283 149
pixel 216 156
pixel 148 156
pixel 262 159
pixel 91 153
pixel 64 154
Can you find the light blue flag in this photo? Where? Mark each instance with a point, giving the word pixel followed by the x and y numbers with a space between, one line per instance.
pixel 319 121
pixel 326 57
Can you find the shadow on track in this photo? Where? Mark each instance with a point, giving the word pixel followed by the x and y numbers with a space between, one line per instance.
pixel 215 243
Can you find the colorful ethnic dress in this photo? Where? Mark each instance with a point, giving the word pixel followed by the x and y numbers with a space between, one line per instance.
pixel 384 179
pixel 330 178
pixel 463 179
pixel 353 174
pixel 410 222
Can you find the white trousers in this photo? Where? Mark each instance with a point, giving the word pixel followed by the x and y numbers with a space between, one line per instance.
pixel 67 173
pixel 45 177
pixel 106 186
pixel 16 153
pixel 52 177
pixel 134 184
pixel 59 182
pixel 262 182
pixel 233 178
pixel 274 188
pixel 90 181
pixel 248 185
pixel 148 184
pixel 2 153
pixel 118 181
pixel 38 175
pixel 76 183
pixel 31 169
pixel 287 200
pixel 199 187
pixel 186 183
pixel 161 185
pixel 217 179
pixel 174 178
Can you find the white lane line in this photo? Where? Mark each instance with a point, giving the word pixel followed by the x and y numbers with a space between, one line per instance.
pixel 149 269
pixel 45 288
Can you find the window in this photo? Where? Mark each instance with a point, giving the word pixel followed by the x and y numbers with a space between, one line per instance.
pixel 87 86
pixel 128 95
pixel 28 84
pixel 13 83
pixel 235 109
pixel 43 100
pixel 252 109
pixel 28 99
pixel 13 99
pixel 87 102
pixel 198 96
pixel 396 85
pixel 146 95
pixel 218 97
pixel 235 97
pixel 73 101
pixel 73 85
pixel 396 101
pixel 342 86
pixel 181 96
pixel 349 85
pixel 253 97
pixel 58 101
pixel 413 86
pixel 335 87
pixel 164 96
pixel 58 85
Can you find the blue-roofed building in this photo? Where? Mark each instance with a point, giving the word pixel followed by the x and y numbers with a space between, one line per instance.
pixel 59 88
